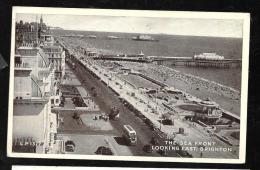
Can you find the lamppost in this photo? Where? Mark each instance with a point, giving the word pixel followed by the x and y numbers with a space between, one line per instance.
pixel 156 95
pixel 160 124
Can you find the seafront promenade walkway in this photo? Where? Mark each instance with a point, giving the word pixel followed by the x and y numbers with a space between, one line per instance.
pixel 141 102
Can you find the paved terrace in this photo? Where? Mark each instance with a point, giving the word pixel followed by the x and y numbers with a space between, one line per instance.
pixel 138 81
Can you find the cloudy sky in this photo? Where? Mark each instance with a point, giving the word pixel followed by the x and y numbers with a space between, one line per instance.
pixel 175 26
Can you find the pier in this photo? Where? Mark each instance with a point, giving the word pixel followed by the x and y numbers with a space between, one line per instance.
pixel 190 61
pixel 118 58
pixel 175 61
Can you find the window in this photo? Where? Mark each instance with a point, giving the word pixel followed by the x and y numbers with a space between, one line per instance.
pixel 18 60
pixel 52 101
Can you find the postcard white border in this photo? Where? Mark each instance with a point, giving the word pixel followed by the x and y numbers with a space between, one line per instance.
pixel 138 13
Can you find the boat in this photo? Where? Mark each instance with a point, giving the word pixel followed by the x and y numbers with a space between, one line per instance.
pixel 143 38
pixel 91 36
pixel 110 37
pixel 73 35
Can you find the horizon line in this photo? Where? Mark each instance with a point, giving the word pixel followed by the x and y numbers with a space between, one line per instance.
pixel 148 33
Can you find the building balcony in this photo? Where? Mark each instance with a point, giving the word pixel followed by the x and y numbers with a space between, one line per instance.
pixel 22 66
pixel 31 100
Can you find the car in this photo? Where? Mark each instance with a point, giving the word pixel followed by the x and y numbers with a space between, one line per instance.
pixel 102 150
pixel 148 148
pixel 70 146
pixel 152 127
pixel 145 120
pixel 70 142
pixel 167 122
pixel 148 122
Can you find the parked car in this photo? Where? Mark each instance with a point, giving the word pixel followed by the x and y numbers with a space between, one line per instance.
pixel 70 146
pixel 152 127
pixel 102 150
pixel 148 122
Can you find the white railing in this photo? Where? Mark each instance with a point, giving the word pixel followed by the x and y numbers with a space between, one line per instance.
pixel 22 65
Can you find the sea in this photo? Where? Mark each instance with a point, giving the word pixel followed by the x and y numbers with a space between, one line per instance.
pixel 172 45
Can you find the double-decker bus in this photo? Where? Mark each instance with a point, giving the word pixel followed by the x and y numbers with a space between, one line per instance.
pixel 130 134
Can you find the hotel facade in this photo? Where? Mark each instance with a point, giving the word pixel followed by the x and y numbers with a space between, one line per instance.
pixel 38 70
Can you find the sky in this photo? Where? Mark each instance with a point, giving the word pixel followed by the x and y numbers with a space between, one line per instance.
pixel 148 25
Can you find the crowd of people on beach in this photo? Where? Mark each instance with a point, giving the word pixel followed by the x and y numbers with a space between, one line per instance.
pixel 202 83
pixel 163 73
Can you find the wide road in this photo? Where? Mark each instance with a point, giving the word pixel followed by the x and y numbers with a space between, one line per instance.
pixel 106 99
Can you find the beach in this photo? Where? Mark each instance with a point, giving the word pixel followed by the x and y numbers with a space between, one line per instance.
pixel 228 98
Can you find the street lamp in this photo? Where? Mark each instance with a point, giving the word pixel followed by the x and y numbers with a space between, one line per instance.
pixel 160 124
pixel 156 94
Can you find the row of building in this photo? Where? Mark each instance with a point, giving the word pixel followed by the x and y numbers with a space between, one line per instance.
pixel 39 67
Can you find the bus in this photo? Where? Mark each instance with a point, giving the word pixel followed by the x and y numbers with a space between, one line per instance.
pixel 130 135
